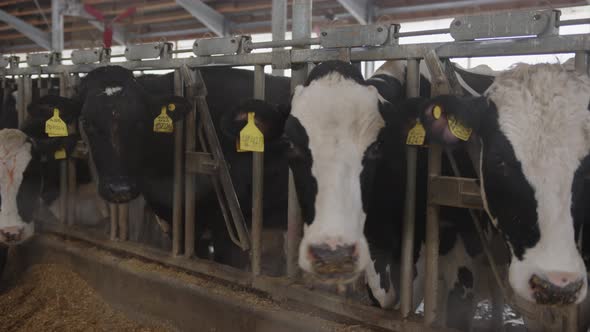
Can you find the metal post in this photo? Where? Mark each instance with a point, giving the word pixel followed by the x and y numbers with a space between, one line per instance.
pixel 177 235
pixel 63 165
pixel 123 216
pixel 582 62
pixel 301 29
pixel 57 26
pixel 407 268
pixel 370 65
pixel 71 191
pixel 257 184
pixel 432 241
pixel 279 26
pixel 189 189
pixel 114 215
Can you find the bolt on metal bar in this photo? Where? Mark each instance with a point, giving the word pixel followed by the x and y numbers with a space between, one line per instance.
pixel 257 184
pixel 407 259
pixel 177 235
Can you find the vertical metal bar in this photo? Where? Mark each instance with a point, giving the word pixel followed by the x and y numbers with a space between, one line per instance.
pixel 257 183
pixel 123 216
pixel 57 26
pixel 63 165
pixel 301 29
pixel 71 191
pixel 432 241
pixel 581 61
pixel 279 26
pixel 21 107
pixel 177 235
pixel 114 216
pixel 189 189
pixel 407 268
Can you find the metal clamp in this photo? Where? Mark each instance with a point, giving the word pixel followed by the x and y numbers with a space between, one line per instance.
pixel 509 24
pixel 355 36
pixel 221 45
pixel 86 56
pixel 148 51
pixel 43 59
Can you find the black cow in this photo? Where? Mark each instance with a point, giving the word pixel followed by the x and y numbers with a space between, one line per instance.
pixel 117 117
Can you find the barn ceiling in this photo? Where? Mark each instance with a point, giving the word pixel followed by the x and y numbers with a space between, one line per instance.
pixel 169 20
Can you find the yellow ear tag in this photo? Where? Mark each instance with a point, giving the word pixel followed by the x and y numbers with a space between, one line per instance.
pixel 436 112
pixel 457 128
pixel 416 135
pixel 171 107
pixel 60 154
pixel 251 138
pixel 55 127
pixel 163 123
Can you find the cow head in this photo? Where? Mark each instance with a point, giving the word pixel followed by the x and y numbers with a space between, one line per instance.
pixel 20 177
pixel 334 134
pixel 117 119
pixel 534 126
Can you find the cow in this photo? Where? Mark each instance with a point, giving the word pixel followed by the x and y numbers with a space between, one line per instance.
pixel 533 124
pixel 117 116
pixel 21 179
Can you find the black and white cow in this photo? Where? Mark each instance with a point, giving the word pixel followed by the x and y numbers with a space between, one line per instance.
pixel 534 127
pixel 117 117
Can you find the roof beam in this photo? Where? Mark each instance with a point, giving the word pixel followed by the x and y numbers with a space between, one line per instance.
pixel 211 18
pixel 40 37
pixel 358 8
pixel 76 8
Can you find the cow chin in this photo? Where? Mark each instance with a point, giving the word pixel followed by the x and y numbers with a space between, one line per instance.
pixel 536 285
pixel 13 231
pixel 335 268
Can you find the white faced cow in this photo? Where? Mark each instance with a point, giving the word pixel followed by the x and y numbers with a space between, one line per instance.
pixel 534 127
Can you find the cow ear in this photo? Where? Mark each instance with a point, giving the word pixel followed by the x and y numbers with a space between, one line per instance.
pixel 269 118
pixel 177 107
pixel 452 119
pixel 43 109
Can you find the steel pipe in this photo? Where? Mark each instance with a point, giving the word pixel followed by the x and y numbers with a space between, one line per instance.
pixel 432 241
pixel 582 62
pixel 407 261
pixel 257 184
pixel 123 220
pixel 279 26
pixel 114 216
pixel 190 185
pixel 177 235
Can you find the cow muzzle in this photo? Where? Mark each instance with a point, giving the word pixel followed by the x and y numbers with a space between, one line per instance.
pixel 118 190
pixel 556 288
pixel 14 235
pixel 338 263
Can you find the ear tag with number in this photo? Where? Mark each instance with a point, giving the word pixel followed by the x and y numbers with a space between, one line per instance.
pixel 457 129
pixel 163 123
pixel 416 135
pixel 60 154
pixel 55 127
pixel 251 138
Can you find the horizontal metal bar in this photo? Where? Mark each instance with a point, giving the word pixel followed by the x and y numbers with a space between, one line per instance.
pixel 573 22
pixel 481 48
pixel 455 192
pixel 422 33
pixel 284 43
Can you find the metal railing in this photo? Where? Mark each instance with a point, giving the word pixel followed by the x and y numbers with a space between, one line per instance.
pixel 298 59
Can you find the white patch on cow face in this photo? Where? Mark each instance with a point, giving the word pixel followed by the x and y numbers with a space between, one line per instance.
pixel 542 110
pixel 15 155
pixel 386 298
pixel 112 90
pixel 342 119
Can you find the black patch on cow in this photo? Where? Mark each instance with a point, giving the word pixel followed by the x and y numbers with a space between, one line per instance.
pixel 345 69
pixel 269 118
pixel 389 87
pixel 511 199
pixel 465 277
pixel 300 161
pixel 478 82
